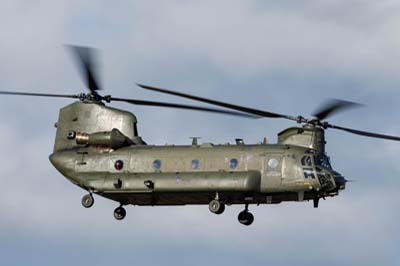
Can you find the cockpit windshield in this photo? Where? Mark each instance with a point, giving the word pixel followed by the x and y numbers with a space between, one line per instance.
pixel 322 160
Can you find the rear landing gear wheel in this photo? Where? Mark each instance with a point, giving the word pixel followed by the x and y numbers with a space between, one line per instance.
pixel 119 213
pixel 87 201
pixel 246 217
pixel 217 207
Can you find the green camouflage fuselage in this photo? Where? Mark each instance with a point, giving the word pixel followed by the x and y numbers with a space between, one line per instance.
pixel 131 172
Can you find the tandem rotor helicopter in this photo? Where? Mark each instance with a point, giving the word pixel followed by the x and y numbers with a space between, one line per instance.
pixel 99 149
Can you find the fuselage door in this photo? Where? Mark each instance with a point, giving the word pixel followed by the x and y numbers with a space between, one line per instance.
pixel 272 171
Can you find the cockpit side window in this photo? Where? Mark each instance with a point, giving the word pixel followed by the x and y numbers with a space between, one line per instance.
pixel 306 160
pixel 322 160
pixel 307 165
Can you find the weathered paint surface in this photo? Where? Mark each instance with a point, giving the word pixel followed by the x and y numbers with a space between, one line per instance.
pixel 193 174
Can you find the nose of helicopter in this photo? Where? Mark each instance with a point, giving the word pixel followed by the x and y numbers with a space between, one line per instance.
pixel 339 180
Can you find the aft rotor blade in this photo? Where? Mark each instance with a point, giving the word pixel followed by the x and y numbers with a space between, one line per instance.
pixel 86 60
pixel 180 106
pixel 365 133
pixel 40 94
pixel 222 104
pixel 332 107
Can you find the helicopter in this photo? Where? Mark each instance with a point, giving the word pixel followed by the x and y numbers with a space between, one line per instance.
pixel 98 148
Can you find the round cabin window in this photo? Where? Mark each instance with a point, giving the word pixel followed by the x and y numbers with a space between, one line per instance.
pixel 157 164
pixel 195 164
pixel 119 165
pixel 273 163
pixel 233 163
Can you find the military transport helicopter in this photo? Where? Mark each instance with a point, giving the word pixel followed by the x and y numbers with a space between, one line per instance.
pixel 98 148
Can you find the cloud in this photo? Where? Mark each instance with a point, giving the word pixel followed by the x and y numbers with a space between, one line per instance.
pixel 284 57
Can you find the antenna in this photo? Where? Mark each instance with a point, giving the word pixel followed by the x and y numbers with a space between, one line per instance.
pixel 195 140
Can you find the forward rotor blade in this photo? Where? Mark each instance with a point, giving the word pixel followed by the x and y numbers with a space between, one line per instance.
pixel 365 133
pixel 218 103
pixel 85 58
pixel 332 107
pixel 40 94
pixel 180 106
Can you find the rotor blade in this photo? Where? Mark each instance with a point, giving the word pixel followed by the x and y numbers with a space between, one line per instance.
pixel 86 60
pixel 40 94
pixel 218 103
pixel 333 106
pixel 180 106
pixel 364 133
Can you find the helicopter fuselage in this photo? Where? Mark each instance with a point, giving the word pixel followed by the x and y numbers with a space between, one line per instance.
pixel 99 149
pixel 196 174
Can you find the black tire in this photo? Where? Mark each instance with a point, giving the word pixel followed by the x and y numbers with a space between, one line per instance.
pixel 246 218
pixel 250 219
pixel 119 213
pixel 217 207
pixel 242 217
pixel 222 209
pixel 87 201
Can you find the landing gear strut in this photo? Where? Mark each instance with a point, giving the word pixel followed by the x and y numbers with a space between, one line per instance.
pixel 245 217
pixel 216 206
pixel 87 200
pixel 316 202
pixel 119 213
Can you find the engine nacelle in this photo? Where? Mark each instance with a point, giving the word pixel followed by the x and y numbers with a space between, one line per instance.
pixel 113 139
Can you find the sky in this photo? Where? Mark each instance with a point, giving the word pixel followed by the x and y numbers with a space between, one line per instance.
pixel 286 57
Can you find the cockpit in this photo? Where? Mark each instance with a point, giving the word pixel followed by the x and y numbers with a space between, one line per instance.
pixel 318 165
pixel 322 160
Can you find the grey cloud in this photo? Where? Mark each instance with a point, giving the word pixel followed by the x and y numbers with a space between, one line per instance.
pixel 285 57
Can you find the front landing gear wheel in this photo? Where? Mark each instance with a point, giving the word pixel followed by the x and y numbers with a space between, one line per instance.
pixel 246 218
pixel 216 207
pixel 119 213
pixel 87 201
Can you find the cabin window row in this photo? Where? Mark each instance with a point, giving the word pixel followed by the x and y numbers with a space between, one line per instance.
pixel 195 164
